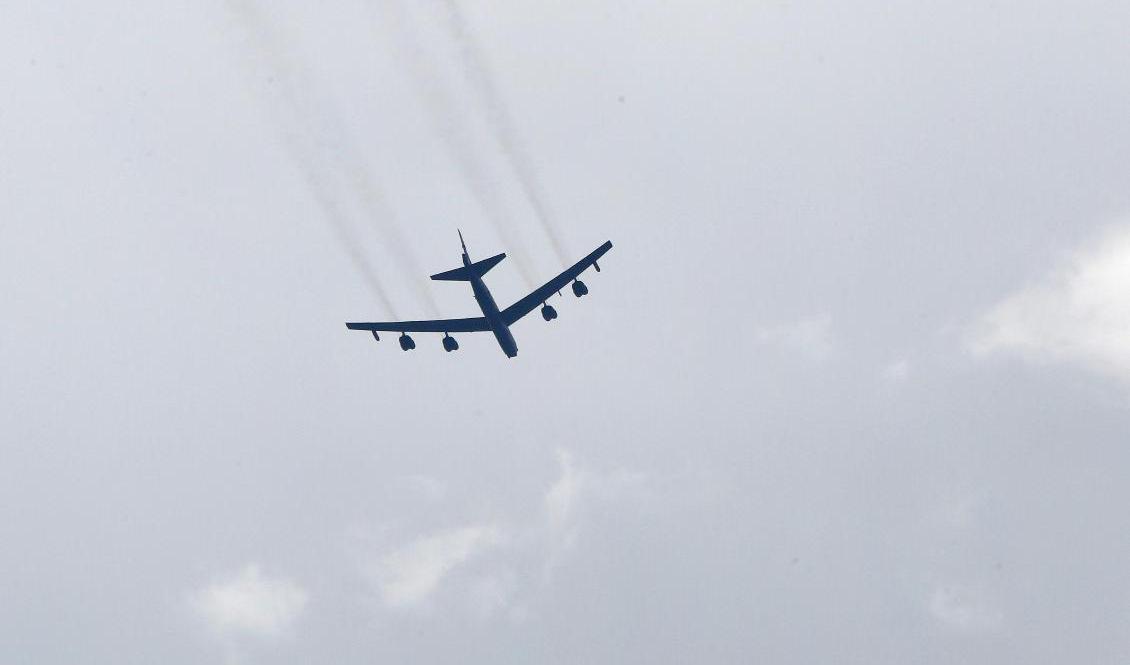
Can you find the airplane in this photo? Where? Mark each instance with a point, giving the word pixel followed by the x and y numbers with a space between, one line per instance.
pixel 493 320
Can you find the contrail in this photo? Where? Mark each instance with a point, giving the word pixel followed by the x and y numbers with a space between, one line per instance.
pixel 458 138
pixel 341 229
pixel 295 86
pixel 305 156
pixel 479 75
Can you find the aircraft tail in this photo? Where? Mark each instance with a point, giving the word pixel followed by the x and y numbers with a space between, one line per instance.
pixel 467 273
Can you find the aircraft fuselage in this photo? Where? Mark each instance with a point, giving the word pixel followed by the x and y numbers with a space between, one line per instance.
pixel 491 313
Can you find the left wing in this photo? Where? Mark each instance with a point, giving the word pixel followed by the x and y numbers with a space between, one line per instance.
pixel 527 304
pixel 477 324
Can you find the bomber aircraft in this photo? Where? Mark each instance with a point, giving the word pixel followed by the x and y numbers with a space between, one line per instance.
pixel 495 320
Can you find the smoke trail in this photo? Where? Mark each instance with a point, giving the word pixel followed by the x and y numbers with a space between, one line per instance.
pixel 449 123
pixel 305 157
pixel 294 87
pixel 478 74
pixel 341 229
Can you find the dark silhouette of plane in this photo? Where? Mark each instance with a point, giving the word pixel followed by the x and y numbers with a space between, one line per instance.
pixel 494 320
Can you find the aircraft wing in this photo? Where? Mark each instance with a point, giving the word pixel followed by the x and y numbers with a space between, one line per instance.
pixel 477 324
pixel 540 295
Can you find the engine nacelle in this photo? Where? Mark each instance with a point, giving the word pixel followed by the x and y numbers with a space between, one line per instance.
pixel 548 313
pixel 406 342
pixel 449 344
pixel 579 288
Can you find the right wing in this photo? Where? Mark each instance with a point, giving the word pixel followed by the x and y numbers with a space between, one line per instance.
pixel 478 324
pixel 527 304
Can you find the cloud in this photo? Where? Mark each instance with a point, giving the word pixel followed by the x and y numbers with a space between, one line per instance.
pixel 407 577
pixel 574 486
pixel 561 499
pixel 507 554
pixel 1079 314
pixel 810 337
pixel 964 609
pixel 250 603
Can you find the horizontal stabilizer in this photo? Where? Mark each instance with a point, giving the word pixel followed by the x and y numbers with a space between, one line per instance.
pixel 467 273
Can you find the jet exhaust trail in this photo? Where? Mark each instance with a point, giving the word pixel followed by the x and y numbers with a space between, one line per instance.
pixel 457 137
pixel 298 125
pixel 340 227
pixel 481 80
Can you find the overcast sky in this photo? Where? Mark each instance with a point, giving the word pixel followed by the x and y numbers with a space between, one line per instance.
pixel 853 385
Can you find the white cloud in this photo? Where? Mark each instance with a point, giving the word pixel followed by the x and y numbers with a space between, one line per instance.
pixel 1080 314
pixel 408 576
pixel 963 609
pixel 561 499
pixel 565 499
pixel 810 337
pixel 250 603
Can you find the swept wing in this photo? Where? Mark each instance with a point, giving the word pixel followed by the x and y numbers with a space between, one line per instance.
pixel 477 324
pixel 537 297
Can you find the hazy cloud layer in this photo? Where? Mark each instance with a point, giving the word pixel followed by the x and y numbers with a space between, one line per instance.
pixel 850 388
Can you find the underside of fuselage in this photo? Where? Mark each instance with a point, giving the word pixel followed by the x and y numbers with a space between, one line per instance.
pixel 494 317
pixel 506 341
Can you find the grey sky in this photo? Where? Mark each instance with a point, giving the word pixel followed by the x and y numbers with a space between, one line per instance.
pixel 853 385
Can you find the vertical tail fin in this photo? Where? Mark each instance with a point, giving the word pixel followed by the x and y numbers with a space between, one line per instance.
pixel 463 243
